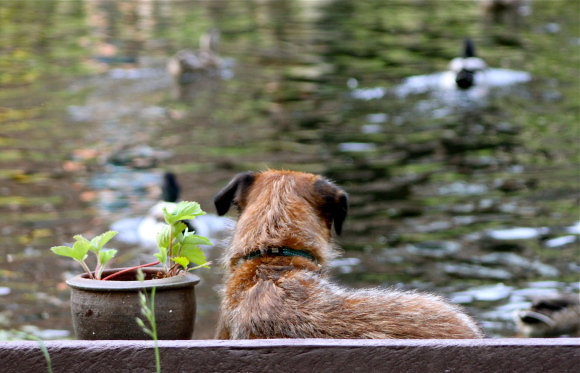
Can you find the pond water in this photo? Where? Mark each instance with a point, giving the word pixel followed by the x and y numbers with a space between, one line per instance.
pixel 471 194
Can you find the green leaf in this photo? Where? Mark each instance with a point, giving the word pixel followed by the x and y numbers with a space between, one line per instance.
pixel 143 327
pixel 183 210
pixel 193 253
pixel 142 297
pixel 161 255
pixel 141 277
pixel 141 324
pixel 63 250
pixel 193 239
pixel 101 240
pixel 178 227
pixel 106 255
pixel 163 236
pixel 85 243
pixel 76 252
pixel 167 210
pixel 80 238
pixel 183 261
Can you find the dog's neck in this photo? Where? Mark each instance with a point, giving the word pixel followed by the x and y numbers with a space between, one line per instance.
pixel 278 251
pixel 308 241
pixel 278 217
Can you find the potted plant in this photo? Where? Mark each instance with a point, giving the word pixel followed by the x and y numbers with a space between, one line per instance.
pixel 105 302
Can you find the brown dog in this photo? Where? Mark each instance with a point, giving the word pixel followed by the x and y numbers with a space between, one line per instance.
pixel 276 286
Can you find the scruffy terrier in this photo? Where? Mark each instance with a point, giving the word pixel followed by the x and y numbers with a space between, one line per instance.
pixel 276 283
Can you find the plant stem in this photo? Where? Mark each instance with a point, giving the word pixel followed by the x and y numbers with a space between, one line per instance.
pixel 157 357
pixel 42 348
pixel 148 310
pixel 154 332
pixel 98 269
pixel 173 270
pixel 170 250
pixel 129 269
pixel 170 241
pixel 82 262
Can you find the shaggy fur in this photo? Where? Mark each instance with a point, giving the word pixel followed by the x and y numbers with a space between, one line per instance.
pixel 290 296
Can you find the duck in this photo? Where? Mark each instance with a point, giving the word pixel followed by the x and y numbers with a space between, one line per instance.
pixel 469 68
pixel 508 12
pixel 550 316
pixel 208 225
pixel 466 83
pixel 187 62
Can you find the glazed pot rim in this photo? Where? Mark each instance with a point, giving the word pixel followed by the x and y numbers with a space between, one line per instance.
pixel 82 282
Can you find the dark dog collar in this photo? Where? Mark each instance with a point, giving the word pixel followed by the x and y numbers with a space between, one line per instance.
pixel 278 251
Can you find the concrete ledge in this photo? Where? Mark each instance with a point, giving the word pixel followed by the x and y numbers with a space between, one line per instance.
pixel 298 355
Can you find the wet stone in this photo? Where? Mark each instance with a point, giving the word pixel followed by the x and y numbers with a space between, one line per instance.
pixel 475 271
pixel 488 293
pixel 436 249
pixel 507 259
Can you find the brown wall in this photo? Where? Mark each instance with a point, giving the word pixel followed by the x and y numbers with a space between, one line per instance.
pixel 310 355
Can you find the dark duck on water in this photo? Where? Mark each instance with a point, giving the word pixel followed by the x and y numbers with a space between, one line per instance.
pixel 468 68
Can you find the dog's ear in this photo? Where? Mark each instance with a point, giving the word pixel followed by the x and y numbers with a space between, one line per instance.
pixel 340 211
pixel 235 188
pixel 335 203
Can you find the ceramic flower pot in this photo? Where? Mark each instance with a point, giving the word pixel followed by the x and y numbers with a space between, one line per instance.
pixel 108 309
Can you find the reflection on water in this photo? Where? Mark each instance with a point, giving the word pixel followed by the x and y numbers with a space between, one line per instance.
pixel 442 86
pixel 472 194
pixel 121 188
pixel 444 97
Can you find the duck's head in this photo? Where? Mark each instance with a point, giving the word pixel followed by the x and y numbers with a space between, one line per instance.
pixel 550 317
pixel 170 188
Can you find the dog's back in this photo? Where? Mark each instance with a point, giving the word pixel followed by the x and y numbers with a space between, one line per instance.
pixel 276 283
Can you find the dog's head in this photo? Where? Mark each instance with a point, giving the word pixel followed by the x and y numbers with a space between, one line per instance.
pixel 285 190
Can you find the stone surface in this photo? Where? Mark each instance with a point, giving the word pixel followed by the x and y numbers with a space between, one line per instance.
pixel 299 355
